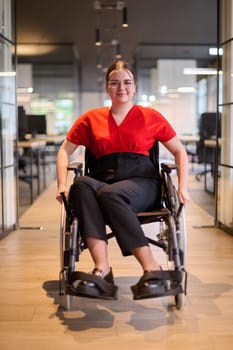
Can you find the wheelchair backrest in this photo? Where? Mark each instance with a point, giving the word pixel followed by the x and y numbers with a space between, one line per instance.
pixel 90 159
pixel 154 156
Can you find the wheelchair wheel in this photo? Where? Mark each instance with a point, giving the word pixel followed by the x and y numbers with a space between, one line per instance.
pixel 177 240
pixel 63 229
pixel 63 276
pixel 178 213
pixel 68 256
pixel 181 231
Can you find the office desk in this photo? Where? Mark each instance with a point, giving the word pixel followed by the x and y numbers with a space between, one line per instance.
pixel 33 149
pixel 54 139
pixel 53 143
pixel 51 139
pixel 49 154
pixel 211 143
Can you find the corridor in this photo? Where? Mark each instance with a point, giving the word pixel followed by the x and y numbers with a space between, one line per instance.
pixel 32 316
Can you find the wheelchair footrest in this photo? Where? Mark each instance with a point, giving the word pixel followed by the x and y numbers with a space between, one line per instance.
pixel 92 286
pixel 153 284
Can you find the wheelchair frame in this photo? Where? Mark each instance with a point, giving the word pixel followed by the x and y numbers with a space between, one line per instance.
pixel 171 239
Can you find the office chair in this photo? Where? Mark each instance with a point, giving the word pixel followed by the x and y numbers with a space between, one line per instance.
pixel 207 130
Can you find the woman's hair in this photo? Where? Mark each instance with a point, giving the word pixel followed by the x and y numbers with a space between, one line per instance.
pixel 120 65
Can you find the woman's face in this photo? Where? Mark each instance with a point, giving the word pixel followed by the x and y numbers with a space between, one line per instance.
pixel 121 86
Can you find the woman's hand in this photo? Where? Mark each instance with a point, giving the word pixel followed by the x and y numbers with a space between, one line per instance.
pixel 183 196
pixel 61 188
pixel 64 153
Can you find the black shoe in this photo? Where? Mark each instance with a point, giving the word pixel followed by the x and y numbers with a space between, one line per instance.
pixel 149 286
pixel 94 285
pixel 153 284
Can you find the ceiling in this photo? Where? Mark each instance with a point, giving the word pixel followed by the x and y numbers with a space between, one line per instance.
pixel 57 31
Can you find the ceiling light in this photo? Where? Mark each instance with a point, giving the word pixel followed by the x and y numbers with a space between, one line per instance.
pixel 152 98
pixel 118 51
pixel 35 49
pixel 186 89
pixel 213 51
pixel 163 89
pixel 97 37
pixel 200 71
pixel 7 74
pixel 125 17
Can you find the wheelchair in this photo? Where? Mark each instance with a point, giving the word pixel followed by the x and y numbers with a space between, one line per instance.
pixel 171 235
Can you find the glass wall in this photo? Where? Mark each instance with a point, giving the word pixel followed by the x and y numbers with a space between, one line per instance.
pixel 225 194
pixel 180 88
pixel 8 196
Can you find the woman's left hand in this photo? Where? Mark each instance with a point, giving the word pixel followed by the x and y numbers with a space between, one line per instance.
pixel 183 196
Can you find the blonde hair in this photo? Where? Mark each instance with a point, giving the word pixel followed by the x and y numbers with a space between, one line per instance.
pixel 120 65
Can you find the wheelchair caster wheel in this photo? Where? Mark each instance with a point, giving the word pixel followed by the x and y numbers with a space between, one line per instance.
pixel 179 301
pixel 67 302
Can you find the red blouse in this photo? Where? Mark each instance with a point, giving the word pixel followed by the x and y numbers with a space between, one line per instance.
pixel 98 131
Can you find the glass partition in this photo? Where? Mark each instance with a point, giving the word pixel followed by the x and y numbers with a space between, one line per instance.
pixel 181 88
pixel 224 200
pixel 8 193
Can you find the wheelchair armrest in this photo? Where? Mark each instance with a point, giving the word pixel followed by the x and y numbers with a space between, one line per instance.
pixel 168 167
pixel 77 167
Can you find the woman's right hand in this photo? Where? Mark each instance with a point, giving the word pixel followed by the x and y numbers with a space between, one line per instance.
pixel 61 188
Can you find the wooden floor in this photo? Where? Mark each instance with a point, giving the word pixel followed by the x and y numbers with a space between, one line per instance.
pixel 32 318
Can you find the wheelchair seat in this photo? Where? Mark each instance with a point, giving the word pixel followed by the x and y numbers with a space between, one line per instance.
pixel 171 237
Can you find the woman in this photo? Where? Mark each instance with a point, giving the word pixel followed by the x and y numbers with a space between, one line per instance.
pixel 123 181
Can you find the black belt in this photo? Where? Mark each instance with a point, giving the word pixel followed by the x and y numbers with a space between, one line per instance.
pixel 122 165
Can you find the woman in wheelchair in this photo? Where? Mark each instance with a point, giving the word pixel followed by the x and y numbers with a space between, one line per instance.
pixel 121 183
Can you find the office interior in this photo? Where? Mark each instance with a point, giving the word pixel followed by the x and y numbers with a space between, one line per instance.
pixel 187 78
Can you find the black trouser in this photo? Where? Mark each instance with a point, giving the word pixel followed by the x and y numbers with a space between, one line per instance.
pixel 116 204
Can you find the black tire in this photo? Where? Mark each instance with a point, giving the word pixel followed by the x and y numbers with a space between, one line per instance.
pixel 178 233
pixel 181 231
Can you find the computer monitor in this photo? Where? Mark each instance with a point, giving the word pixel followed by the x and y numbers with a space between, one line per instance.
pixel 22 123
pixel 37 124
